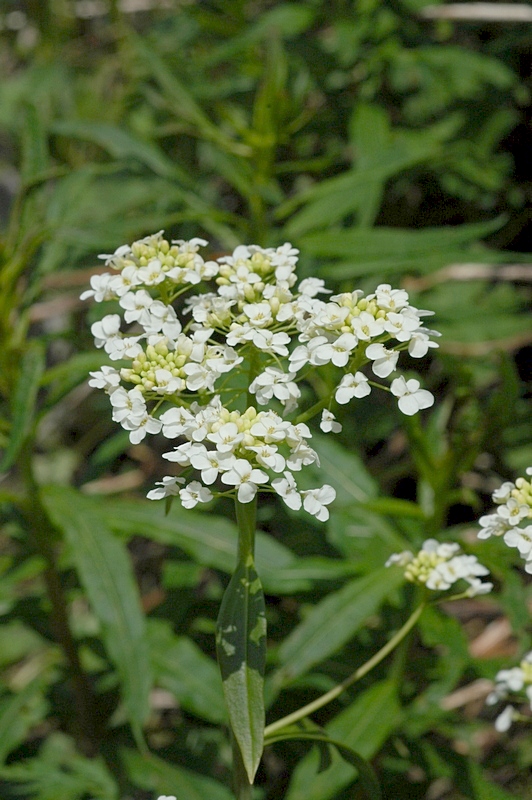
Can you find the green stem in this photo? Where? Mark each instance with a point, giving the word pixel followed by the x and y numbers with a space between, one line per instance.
pixel 310 708
pixel 241 784
pixel 313 410
pixel 246 516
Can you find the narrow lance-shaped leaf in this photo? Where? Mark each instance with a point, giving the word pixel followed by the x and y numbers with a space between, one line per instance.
pixel 23 405
pixel 104 569
pixel 241 648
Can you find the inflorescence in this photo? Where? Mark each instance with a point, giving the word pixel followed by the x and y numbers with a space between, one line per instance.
pixel 437 566
pixel 200 369
pixel 512 519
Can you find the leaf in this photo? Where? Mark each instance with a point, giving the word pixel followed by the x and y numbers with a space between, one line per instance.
pixel 151 773
pixel 241 649
pixel 363 727
pixel 104 568
pixel 59 772
pixel 35 155
pixel 19 713
pixel 180 667
pixel 23 403
pixel 344 470
pixel 121 144
pixel 366 775
pixel 332 622
pixel 381 248
pixel 180 99
pixel 480 786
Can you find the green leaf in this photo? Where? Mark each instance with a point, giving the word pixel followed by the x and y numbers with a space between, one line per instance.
pixel 241 649
pixel 332 622
pixel 180 99
pixel 59 772
pixel 104 568
pixel 35 155
pixel 19 713
pixel 481 787
pixel 344 470
pixel 366 775
pixel 180 667
pixel 394 249
pixel 214 545
pixel 155 775
pixel 121 144
pixel 363 727
pixel 23 404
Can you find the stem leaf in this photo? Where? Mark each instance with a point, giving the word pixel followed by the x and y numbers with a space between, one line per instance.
pixel 23 405
pixel 104 569
pixel 241 648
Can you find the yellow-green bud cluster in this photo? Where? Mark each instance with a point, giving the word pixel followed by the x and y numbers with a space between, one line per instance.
pixel 523 493
pixel 421 566
pixel 144 366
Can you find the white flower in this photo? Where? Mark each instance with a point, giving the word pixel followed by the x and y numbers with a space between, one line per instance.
pixel 520 538
pixel 513 512
pixel 226 438
pixel 211 463
pixel 127 404
pixel 352 386
pixel 268 456
pixel 316 500
pixel 411 397
pixel 419 343
pixel 100 288
pixel 384 361
pixel 105 329
pixel 140 426
pixel 246 478
pixel 169 487
pixel 259 314
pixel 328 422
pixel 287 489
pixel 492 525
pixel 194 493
pixel 152 274
pixel 391 299
pixel 270 427
pixel 107 378
pixel 505 719
pixel 365 326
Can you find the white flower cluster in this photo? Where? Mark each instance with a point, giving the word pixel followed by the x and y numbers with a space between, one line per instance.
pixel 512 517
pixel 438 567
pixel 200 369
pixel 517 681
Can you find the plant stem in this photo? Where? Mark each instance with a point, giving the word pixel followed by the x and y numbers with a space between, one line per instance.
pixel 246 515
pixel 241 784
pixel 310 708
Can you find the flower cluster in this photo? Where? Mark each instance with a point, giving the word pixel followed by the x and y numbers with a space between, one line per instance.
pixel 512 518
pixel 516 681
pixel 200 368
pixel 438 567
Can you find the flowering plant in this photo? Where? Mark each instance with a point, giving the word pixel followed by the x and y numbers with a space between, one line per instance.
pixel 221 356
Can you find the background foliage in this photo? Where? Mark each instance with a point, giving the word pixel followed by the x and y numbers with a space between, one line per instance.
pixel 385 146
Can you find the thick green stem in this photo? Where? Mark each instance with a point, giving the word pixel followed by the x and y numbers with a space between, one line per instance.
pixel 241 784
pixel 310 708
pixel 246 515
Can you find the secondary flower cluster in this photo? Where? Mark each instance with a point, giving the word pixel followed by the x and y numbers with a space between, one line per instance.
pixel 200 368
pixel 438 567
pixel 516 681
pixel 512 517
